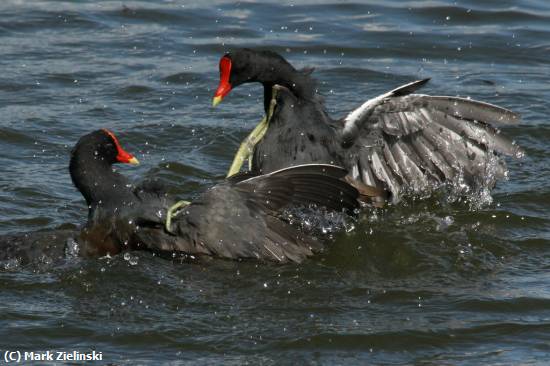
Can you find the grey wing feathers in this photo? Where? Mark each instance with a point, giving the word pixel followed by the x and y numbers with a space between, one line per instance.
pixel 471 109
pixel 416 142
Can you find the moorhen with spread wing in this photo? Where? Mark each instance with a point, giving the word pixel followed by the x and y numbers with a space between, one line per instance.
pixel 400 142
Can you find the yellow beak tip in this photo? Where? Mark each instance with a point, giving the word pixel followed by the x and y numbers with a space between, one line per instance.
pixel 216 101
pixel 133 161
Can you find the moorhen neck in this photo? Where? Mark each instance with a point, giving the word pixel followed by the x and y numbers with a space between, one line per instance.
pixel 397 144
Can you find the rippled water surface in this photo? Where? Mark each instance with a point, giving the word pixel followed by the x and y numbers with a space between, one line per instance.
pixel 426 283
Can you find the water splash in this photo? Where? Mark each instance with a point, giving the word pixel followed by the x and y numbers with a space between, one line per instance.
pixel 72 248
pixel 321 220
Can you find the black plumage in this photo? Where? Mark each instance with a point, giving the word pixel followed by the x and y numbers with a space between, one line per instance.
pixel 238 218
pixel 113 201
pixel 400 143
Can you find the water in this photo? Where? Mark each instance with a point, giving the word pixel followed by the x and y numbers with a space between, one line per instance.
pixel 426 283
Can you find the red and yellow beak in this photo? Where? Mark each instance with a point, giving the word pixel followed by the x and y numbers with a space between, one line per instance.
pixel 224 87
pixel 130 159
pixel 122 155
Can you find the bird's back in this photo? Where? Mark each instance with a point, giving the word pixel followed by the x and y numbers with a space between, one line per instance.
pixel 299 132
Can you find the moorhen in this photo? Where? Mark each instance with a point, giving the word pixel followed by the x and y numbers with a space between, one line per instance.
pixel 237 219
pixel 399 142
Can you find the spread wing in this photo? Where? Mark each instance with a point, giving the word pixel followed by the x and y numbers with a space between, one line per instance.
pixel 239 220
pixel 232 223
pixel 413 143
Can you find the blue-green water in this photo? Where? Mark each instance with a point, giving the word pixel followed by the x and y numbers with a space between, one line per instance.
pixel 425 283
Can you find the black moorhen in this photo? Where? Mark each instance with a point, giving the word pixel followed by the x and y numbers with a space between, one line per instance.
pixel 112 200
pixel 238 218
pixel 399 142
pixel 106 193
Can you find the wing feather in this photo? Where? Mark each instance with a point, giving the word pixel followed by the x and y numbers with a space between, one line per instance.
pixel 415 142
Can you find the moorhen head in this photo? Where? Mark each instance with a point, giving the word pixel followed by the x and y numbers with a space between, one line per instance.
pixel 91 167
pixel 266 67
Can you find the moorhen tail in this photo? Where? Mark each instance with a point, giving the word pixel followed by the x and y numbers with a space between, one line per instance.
pixel 239 218
pixel 400 142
